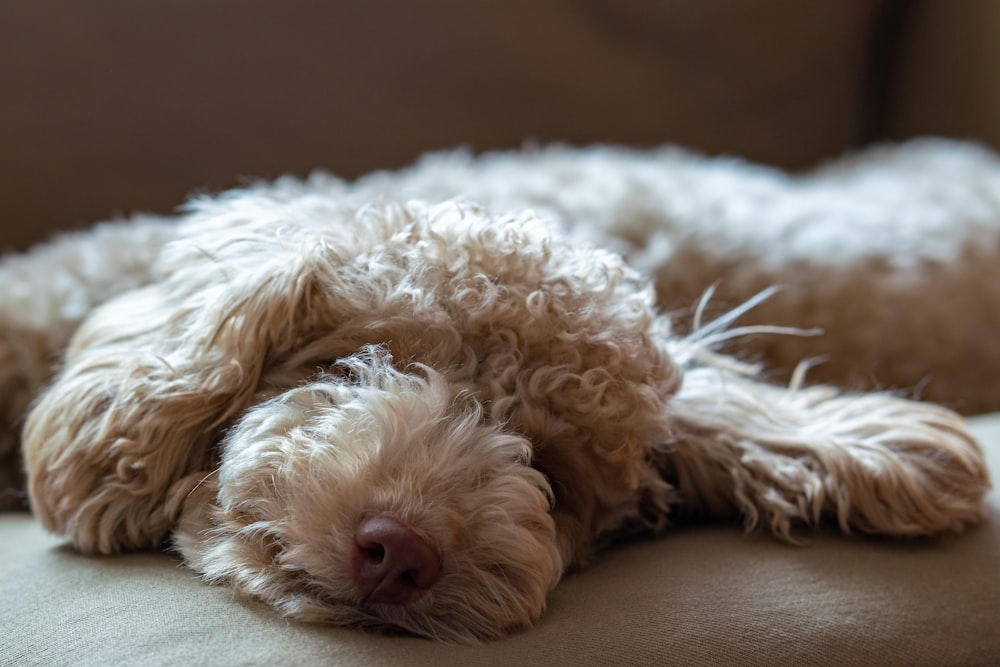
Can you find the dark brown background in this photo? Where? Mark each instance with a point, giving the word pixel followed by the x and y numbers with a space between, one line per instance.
pixel 110 107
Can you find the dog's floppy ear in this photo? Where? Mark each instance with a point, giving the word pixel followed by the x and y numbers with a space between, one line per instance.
pixel 126 430
pixel 778 455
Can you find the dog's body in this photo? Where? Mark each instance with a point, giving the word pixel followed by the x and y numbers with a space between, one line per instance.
pixel 376 411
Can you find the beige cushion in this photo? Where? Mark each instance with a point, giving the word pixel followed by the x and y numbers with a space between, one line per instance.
pixel 701 595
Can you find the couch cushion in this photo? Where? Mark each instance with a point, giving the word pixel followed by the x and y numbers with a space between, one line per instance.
pixel 702 595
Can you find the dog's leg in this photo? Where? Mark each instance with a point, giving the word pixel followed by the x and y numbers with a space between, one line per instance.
pixel 873 462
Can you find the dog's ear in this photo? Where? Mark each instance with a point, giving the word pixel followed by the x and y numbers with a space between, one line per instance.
pixel 126 430
pixel 873 462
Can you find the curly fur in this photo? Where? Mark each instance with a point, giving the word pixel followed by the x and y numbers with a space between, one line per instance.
pixel 894 239
pixel 299 358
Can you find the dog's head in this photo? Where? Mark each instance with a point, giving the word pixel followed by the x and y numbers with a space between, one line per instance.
pixel 379 499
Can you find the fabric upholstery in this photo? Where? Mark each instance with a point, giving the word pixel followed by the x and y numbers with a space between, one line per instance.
pixel 704 594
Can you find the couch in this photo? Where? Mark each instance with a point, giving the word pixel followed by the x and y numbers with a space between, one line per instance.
pixel 111 108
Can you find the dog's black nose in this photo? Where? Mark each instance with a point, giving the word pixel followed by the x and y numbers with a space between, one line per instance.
pixel 392 564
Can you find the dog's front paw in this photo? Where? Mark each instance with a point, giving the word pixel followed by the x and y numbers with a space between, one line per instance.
pixel 873 462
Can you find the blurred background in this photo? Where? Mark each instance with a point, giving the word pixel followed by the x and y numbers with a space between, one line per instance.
pixel 110 107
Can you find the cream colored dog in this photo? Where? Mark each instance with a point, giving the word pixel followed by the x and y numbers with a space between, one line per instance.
pixel 383 412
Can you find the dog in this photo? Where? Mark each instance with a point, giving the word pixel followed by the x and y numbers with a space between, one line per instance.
pixel 417 415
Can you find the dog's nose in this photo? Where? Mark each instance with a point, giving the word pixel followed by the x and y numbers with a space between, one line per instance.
pixel 392 564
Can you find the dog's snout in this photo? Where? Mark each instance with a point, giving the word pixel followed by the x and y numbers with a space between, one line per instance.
pixel 392 564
